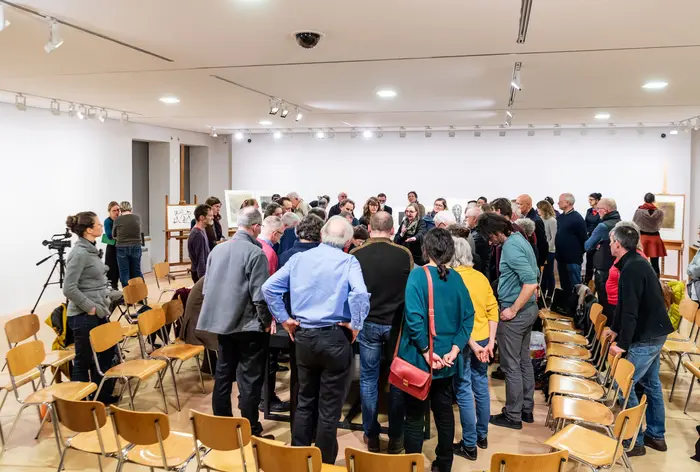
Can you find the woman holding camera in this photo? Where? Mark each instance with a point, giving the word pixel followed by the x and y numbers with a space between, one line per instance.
pixel 111 248
pixel 89 301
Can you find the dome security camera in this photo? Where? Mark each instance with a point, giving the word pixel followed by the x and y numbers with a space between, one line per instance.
pixel 308 39
pixel 663 135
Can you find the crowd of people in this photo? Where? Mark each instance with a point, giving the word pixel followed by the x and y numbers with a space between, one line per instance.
pixel 440 291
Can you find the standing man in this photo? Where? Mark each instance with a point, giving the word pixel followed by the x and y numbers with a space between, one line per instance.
pixel 641 326
pixel 413 198
pixel 385 268
pixel 198 243
pixel 571 237
pixel 516 296
pixel 286 205
pixel 270 234
pixel 329 303
pixel 525 203
pixel 335 209
pixel 348 206
pixel 382 203
pixel 480 245
pixel 290 221
pixel 235 310
pixel 299 206
pixel 603 258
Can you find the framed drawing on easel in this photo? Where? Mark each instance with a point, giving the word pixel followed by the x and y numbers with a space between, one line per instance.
pixel 178 220
pixel 673 224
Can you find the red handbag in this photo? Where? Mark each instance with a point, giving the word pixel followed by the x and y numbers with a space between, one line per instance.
pixel 407 377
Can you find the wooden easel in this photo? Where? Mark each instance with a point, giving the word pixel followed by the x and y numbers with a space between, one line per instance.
pixel 180 235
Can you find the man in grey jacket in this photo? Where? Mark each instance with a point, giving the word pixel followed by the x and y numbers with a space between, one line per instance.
pixel 235 310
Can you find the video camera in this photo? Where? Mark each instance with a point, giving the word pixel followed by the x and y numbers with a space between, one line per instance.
pixel 58 242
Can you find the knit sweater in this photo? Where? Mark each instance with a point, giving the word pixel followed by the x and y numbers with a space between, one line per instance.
pixel 483 299
pixel 571 236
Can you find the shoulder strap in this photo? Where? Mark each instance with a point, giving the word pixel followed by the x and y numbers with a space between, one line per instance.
pixel 431 319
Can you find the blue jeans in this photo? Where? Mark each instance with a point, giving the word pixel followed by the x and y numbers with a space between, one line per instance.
pixel 548 283
pixel 129 261
pixel 375 339
pixel 474 386
pixel 646 358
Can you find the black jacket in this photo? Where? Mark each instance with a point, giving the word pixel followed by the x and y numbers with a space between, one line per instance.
pixel 592 220
pixel 414 246
pixel 571 236
pixel 335 210
pixel 603 259
pixel 641 313
pixel 542 244
pixel 388 209
pixel 483 251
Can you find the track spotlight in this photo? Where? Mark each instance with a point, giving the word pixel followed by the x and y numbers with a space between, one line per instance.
pixel 530 130
pixel 55 108
pixel 285 111
pixel 21 102
pixel 71 110
pixel 674 129
pixel 102 115
pixel 55 39
pixel 353 133
pixel 274 106
pixel 92 113
pixel 451 132
pixel 82 112
pixel 277 134
pixel 477 131
pixel 3 22
pixel 331 133
pixel 584 129
pixel 124 118
pixel 213 133
pixel 640 128
pixel 367 134
pixel 428 132
pixel 502 130
pixel 557 130
pixel 380 132
pixel 402 132
pixel 697 123
pixel 298 114
pixel 515 83
pixel 686 126
pixel 509 118
pixel 611 129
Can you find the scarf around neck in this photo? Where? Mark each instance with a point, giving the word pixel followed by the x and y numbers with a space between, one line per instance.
pixel 410 228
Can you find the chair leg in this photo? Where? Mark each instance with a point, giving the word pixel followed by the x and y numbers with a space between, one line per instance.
pixel 2 433
pixel 99 462
pixel 199 370
pixel 675 377
pixel 131 395
pixel 690 391
pixel 162 390
pixel 180 368
pixel 99 388
pixel 14 424
pixel 136 389
pixel 63 458
pixel 172 374
pixel 41 425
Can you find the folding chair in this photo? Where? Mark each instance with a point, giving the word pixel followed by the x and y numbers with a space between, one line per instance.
pixel 220 455
pixel 162 271
pixel 552 462
pixel 272 456
pixel 363 461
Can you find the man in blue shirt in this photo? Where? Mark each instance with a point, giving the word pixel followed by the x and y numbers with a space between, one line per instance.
pixel 329 302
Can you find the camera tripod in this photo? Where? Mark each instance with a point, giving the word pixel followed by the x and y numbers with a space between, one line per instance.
pixel 61 264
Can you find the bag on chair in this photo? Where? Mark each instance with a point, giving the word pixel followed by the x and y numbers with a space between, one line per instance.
pixel 405 376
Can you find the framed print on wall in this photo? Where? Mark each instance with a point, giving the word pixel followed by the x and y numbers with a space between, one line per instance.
pixel 673 224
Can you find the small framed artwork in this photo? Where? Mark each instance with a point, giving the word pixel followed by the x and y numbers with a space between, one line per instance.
pixel 673 224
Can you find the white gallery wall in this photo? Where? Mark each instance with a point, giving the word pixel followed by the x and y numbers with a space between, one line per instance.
pixel 56 166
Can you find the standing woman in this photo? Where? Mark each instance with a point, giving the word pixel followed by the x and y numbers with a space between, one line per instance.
pixel 215 232
pixel 453 321
pixel 371 207
pixel 89 299
pixel 592 220
pixel 127 233
pixel 649 219
pixel 411 232
pixel 111 248
pixel 546 212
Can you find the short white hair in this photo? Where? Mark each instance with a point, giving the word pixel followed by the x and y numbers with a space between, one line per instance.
pixel 290 219
pixel 444 216
pixel 249 217
pixel 527 225
pixel 270 225
pixel 474 211
pixel 293 195
pixel 337 232
pixel 569 197
pixel 463 253
pixel 608 203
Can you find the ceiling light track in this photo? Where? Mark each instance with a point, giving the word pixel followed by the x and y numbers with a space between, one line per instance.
pixel 515 84
pixel 73 107
pixel 525 10
pixel 250 89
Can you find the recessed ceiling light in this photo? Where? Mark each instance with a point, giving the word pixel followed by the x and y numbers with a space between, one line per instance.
pixel 367 134
pixel 277 135
pixel 265 122
pixel 602 116
pixel 386 93
pixel 170 100
pixel 655 85
pixel 238 135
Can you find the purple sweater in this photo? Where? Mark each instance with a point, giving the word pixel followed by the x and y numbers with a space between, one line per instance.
pixel 198 248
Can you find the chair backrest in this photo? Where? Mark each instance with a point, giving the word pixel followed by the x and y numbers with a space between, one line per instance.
pixel 78 415
pixel 630 420
pixel 105 336
pixel 162 269
pixel 21 328
pixel 173 310
pixel 25 357
pixel 151 321
pixel 624 371
pixel 136 281
pixel 688 309
pixel 599 325
pixel 595 312
pixel 207 429
pixel 134 293
pixel 276 457
pixel 138 427
pixel 363 461
pixel 552 462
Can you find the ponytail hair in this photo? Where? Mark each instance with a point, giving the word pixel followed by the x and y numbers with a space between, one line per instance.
pixel 81 222
pixel 439 248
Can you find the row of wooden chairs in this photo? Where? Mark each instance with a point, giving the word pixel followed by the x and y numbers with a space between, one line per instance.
pixel 685 346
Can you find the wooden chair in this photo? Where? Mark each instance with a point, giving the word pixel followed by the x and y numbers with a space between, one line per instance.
pixel 174 310
pixel 688 310
pixel 552 462
pixel 109 335
pixel 162 271
pixel 578 368
pixel 564 326
pixel 153 321
pixel 600 451
pixel 27 326
pixel 363 461
pixel 272 456
pixel 595 312
pixel 694 368
pixel 95 434
pixel 27 358
pixel 151 442
pixel 547 314
pixel 572 351
pixel 681 349
pixel 220 457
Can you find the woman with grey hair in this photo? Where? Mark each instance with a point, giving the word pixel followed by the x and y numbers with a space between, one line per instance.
pixel 473 387
pixel 127 233
pixel 611 286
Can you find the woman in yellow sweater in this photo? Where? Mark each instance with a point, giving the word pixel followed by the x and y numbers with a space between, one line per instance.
pixel 473 386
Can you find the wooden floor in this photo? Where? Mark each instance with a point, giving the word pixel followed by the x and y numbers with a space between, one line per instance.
pixel 23 453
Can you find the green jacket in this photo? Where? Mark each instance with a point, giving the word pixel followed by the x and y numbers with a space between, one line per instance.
pixel 454 319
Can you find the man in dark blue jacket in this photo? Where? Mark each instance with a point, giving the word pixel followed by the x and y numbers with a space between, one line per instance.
pixel 571 236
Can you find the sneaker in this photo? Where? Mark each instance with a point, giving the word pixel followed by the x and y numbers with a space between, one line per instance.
pixel 372 443
pixel 656 444
pixel 482 443
pixel 637 451
pixel 528 417
pixel 395 446
pixel 503 421
pixel 461 450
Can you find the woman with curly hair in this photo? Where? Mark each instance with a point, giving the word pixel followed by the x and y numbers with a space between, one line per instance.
pixel 371 207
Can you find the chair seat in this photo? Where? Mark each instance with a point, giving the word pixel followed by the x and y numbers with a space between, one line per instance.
pixel 333 468
pixel 560 365
pixel 686 347
pixel 693 367
pixel 181 352
pixel 550 315
pixel 561 326
pixel 676 336
pixel 564 350
pixel 559 384
pixel 88 442
pixel 178 447
pixel 578 409
pixel 229 461
pixel 586 445
pixel 20 380
pixel 129 331
pixel 141 368
pixel 58 358
pixel 65 390
pixel 564 338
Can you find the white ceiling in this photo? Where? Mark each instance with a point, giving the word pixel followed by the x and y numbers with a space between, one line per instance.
pixel 450 61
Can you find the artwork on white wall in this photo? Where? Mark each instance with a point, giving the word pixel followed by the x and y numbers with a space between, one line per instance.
pixel 179 217
pixel 673 206
pixel 457 206
pixel 233 200
pixel 263 198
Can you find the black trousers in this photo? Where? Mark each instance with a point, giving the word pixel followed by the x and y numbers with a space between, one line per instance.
pixel 84 368
pixel 323 359
pixel 601 277
pixel 441 404
pixel 655 265
pixel 241 358
pixel 589 266
pixel 111 262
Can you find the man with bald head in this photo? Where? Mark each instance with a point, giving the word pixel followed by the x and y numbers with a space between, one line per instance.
pixel 385 268
pixel 525 203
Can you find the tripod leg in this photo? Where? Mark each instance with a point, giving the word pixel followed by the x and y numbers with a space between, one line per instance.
pixel 48 282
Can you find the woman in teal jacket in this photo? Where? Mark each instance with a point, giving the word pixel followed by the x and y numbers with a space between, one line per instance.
pixel 454 318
